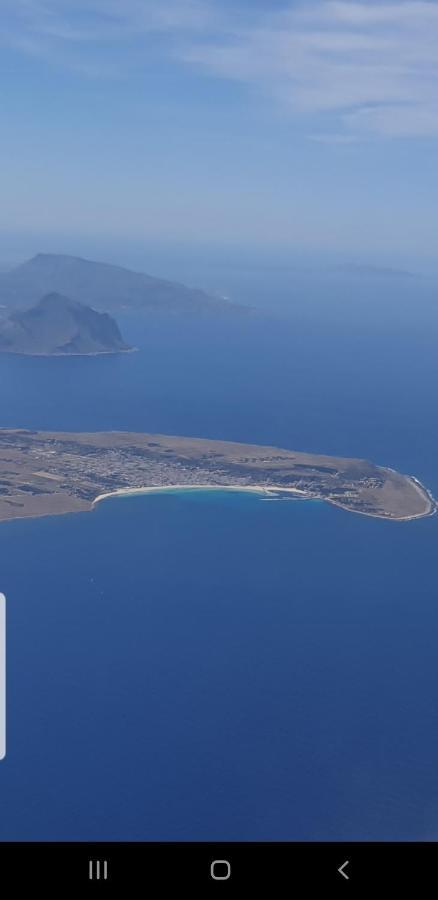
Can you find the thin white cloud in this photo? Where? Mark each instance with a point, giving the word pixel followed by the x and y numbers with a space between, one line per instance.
pixel 365 68
pixel 373 66
pixel 103 20
pixel 96 38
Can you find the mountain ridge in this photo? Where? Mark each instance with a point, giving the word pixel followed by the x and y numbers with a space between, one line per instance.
pixel 106 287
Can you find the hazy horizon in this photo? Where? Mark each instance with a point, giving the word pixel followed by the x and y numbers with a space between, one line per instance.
pixel 167 258
pixel 281 129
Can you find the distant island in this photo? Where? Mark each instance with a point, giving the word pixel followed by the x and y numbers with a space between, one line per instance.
pixel 106 287
pixel 60 326
pixel 49 473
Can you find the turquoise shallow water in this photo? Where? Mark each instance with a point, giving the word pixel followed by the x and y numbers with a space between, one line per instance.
pixel 209 664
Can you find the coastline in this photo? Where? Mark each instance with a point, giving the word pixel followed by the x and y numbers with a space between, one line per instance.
pixel 431 504
pixel 272 493
pixel 50 473
pixel 425 493
pixel 153 489
pixel 66 355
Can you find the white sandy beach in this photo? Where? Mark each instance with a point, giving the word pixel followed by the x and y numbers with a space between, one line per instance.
pixel 255 489
pixel 270 493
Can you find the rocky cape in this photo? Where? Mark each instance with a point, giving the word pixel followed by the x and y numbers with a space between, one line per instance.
pixel 60 326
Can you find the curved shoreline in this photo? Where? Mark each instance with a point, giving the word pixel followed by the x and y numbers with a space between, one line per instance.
pixel 50 473
pixel 66 355
pixel 431 503
pixel 273 491
pixel 154 489
pixel 425 494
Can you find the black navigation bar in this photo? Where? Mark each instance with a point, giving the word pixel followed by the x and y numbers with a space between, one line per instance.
pixel 218 868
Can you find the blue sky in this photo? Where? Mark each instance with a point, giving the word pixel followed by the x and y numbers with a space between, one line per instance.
pixel 279 125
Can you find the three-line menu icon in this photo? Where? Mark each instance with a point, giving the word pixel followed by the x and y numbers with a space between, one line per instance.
pixel 2 676
pixel 97 870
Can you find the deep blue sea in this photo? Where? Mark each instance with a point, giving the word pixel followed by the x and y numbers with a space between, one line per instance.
pixel 212 665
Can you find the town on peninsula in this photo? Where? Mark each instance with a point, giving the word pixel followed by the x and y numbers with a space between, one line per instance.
pixel 49 473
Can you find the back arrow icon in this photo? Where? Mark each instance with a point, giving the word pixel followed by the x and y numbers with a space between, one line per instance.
pixel 341 870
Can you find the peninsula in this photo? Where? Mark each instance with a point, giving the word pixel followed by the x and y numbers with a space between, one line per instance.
pixel 49 473
pixel 109 288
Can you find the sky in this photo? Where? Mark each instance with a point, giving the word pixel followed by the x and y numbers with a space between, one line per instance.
pixel 287 127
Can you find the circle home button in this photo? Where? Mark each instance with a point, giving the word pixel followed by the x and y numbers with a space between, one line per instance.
pixel 220 870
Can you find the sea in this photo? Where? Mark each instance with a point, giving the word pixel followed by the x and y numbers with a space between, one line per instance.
pixel 212 665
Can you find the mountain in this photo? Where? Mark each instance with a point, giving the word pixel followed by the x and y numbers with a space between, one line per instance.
pixel 57 326
pixel 104 287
